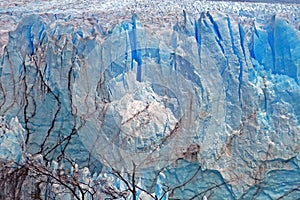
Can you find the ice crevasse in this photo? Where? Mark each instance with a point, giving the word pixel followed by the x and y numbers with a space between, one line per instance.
pixel 211 94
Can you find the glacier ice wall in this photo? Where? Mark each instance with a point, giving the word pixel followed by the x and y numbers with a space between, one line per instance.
pixel 212 100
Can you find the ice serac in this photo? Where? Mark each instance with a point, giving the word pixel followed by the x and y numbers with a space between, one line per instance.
pixel 11 140
pixel 211 103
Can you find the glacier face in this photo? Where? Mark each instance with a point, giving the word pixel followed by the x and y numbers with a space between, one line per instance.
pixel 211 101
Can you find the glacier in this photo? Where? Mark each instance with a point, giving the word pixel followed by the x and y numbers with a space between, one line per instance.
pixel 193 103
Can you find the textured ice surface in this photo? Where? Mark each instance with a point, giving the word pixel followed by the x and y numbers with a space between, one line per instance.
pixel 12 141
pixel 208 102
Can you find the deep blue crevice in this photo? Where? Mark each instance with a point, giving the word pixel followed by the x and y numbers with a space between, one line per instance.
pixel 265 99
pixel 74 38
pixel 42 34
pixel 173 61
pixel 217 32
pixel 235 51
pixel 30 39
pixel 136 53
pixel 251 45
pixel 242 38
pixel 198 39
pixel 197 35
pixel 80 33
pixel 173 54
pixel 251 48
pixel 215 26
pixel 185 21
